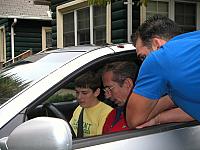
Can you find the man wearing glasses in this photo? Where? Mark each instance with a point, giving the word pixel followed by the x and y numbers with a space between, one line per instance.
pixel 118 80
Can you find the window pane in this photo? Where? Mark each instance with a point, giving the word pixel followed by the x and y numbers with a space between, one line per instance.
pixel 163 7
pixel 99 25
pixel 185 16
pixel 151 6
pixel 83 19
pixel 48 39
pixel 83 26
pixel 68 29
pixel 156 7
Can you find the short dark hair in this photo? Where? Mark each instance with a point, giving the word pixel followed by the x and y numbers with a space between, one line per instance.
pixel 122 70
pixel 156 26
pixel 88 80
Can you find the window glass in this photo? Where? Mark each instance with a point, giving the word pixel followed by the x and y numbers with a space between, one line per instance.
pixel 99 25
pixel 83 26
pixel 185 16
pixel 68 26
pixel 83 19
pixel 48 39
pixel 66 93
pixel 156 7
pixel 14 79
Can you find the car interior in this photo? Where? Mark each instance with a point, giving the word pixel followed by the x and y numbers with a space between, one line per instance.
pixel 60 102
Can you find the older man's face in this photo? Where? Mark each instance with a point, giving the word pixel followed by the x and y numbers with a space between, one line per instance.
pixel 113 90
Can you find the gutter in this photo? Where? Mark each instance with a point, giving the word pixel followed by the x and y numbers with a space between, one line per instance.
pixel 12 39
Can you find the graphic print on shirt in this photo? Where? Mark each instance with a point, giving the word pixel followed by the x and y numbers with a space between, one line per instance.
pixel 86 126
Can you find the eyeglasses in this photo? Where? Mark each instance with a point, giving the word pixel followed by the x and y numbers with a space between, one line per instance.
pixel 108 88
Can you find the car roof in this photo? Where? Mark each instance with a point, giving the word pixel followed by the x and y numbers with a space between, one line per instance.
pixel 80 48
pixel 41 54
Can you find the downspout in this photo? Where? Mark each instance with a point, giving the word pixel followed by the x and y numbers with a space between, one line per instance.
pixel 12 39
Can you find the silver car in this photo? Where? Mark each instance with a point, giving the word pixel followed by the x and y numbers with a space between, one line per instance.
pixel 37 100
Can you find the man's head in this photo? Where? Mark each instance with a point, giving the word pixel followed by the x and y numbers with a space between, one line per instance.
pixel 153 33
pixel 118 79
pixel 87 88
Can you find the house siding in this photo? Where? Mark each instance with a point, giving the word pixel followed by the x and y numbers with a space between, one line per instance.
pixel 54 4
pixel 135 16
pixel 28 35
pixel 119 20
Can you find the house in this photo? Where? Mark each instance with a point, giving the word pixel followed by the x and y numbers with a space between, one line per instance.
pixel 23 26
pixel 74 22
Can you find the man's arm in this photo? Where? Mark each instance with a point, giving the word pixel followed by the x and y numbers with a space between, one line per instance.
pixel 173 115
pixel 163 104
pixel 138 110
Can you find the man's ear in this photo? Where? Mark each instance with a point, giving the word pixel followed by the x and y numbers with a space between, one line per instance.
pixel 97 92
pixel 128 83
pixel 157 43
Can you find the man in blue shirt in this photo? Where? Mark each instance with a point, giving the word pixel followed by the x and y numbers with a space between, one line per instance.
pixel 174 68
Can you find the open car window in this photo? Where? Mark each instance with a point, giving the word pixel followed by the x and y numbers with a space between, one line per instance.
pixel 64 95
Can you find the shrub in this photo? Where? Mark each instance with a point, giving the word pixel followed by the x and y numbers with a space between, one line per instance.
pixel 61 98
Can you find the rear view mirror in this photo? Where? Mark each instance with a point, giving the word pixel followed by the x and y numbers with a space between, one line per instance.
pixel 42 133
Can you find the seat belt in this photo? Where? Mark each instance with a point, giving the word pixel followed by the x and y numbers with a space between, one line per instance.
pixel 80 125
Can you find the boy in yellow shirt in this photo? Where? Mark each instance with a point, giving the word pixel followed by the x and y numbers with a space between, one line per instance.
pixel 95 112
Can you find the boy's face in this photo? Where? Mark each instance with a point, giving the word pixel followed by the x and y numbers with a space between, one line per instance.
pixel 113 90
pixel 86 97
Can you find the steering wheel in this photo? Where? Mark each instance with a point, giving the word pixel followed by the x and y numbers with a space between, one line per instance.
pixel 48 107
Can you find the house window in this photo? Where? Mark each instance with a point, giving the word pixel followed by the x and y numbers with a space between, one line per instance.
pixel 85 26
pixel 68 26
pixel 185 16
pixel 46 37
pixel 2 45
pixel 157 7
pixel 83 20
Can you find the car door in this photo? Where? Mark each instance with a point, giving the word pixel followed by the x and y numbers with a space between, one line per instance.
pixel 169 136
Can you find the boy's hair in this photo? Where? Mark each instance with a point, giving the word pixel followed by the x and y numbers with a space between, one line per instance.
pixel 156 26
pixel 122 70
pixel 88 80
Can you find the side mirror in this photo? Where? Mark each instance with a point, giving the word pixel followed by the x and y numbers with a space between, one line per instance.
pixel 3 145
pixel 42 133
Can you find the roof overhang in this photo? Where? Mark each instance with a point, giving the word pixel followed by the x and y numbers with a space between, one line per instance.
pixel 26 17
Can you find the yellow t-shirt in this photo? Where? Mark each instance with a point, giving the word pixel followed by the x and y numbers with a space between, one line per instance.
pixel 93 119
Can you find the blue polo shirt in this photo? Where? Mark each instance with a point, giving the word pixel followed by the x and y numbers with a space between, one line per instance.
pixel 174 69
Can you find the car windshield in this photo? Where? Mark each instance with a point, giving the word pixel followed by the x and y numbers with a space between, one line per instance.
pixel 17 77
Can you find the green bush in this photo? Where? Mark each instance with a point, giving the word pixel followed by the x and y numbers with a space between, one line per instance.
pixel 61 98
